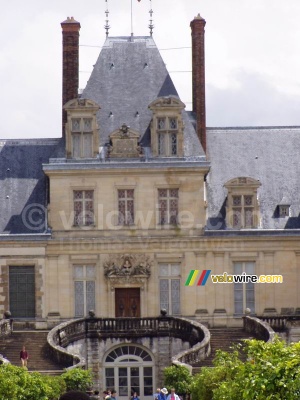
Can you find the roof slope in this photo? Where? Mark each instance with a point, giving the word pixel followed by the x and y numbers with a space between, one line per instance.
pixel 128 75
pixel 23 186
pixel 270 155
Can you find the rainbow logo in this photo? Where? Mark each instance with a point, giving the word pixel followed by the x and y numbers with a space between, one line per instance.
pixel 191 279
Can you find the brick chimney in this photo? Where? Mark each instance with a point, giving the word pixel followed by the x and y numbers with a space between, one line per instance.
pixel 198 76
pixel 70 32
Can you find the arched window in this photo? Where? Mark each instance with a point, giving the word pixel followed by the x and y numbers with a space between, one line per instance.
pixel 128 369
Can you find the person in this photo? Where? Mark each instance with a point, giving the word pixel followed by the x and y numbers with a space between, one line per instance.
pixel 156 395
pixel 24 357
pixel 135 396
pixel 163 394
pixel 113 395
pixel 95 395
pixel 173 395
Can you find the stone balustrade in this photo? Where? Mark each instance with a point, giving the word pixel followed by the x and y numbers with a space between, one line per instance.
pixel 69 332
pixel 259 328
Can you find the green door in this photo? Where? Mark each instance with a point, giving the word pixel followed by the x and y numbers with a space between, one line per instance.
pixel 22 292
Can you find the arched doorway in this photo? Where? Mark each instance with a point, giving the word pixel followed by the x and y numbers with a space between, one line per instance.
pixel 129 368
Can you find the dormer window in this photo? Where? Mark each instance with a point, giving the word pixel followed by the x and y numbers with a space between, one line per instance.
pixel 242 209
pixel 167 136
pixel 82 136
pixel 284 210
pixel 167 127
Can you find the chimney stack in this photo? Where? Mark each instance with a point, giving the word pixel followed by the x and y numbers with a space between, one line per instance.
pixel 70 32
pixel 198 76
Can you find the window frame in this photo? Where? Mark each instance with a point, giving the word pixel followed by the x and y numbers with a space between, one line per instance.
pixel 84 210
pixel 171 277
pixel 82 133
pixel 125 221
pixel 164 136
pixel 85 279
pixel 167 199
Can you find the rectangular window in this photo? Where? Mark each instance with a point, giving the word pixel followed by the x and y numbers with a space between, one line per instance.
pixel 167 136
pixel 84 289
pixel 82 138
pixel 168 206
pixel 169 287
pixel 83 207
pixel 244 294
pixel 126 206
pixel 242 211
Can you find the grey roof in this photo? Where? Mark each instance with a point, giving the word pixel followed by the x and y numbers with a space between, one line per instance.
pixel 23 184
pixel 267 154
pixel 128 75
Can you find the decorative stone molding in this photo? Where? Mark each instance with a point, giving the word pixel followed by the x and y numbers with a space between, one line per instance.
pixel 124 143
pixel 122 268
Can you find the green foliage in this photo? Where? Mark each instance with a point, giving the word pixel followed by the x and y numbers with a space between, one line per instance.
pixel 179 378
pixel 18 383
pixel 271 371
pixel 78 379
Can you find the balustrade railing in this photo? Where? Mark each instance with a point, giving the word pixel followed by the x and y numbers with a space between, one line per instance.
pixel 64 334
pixel 260 329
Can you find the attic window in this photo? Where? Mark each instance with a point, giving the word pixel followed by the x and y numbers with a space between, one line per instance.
pixel 284 210
pixel 82 138
pixel 167 127
pixel 242 209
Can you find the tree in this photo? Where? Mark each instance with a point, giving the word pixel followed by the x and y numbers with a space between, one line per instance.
pixel 78 379
pixel 271 371
pixel 179 378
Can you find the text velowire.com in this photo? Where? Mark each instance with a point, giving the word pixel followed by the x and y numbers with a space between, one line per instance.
pixel 229 278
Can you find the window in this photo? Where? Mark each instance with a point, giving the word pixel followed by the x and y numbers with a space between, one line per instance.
pixel 130 368
pixel 168 206
pixel 167 127
pixel 83 207
pixel 244 294
pixel 284 210
pixel 84 289
pixel 126 207
pixel 167 136
pixel 242 211
pixel 242 208
pixel 169 288
pixel 82 138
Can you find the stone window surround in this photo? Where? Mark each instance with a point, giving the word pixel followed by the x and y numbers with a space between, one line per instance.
pixel 81 109
pixel 38 283
pixel 242 186
pixel 167 108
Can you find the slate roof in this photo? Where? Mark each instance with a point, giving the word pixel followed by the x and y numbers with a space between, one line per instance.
pixel 128 75
pixel 268 154
pixel 23 184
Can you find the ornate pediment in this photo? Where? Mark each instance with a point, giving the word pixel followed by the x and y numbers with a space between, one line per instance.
pixel 124 143
pixel 167 102
pixel 81 104
pixel 131 266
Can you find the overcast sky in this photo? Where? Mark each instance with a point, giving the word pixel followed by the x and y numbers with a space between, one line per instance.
pixel 252 57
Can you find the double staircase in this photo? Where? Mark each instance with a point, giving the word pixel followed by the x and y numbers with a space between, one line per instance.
pixel 37 348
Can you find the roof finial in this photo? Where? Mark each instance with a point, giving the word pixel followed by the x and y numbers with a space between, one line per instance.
pixel 151 26
pixel 106 26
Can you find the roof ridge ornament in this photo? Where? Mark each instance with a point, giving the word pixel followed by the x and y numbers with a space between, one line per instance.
pixel 106 26
pixel 151 25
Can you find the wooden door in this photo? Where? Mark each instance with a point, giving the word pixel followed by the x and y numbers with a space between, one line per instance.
pixel 128 303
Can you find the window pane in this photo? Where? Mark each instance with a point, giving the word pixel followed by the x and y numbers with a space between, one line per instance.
pixel 161 123
pixel 248 200
pixel 76 125
pixel 87 145
pixel 78 271
pixel 236 200
pixel 161 143
pixel 172 123
pixel 163 269
pixel 90 296
pixel 175 296
pixel 87 125
pixel 236 218
pixel 248 217
pixel 79 298
pixel 76 145
pixel 164 294
pixel 173 144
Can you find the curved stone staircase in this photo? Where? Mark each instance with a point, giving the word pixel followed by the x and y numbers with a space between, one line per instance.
pixel 36 345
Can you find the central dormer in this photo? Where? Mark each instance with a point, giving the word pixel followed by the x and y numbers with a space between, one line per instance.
pixel 167 127
pixel 81 129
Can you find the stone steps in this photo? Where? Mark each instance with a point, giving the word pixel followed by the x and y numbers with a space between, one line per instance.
pixel 223 339
pixel 36 345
